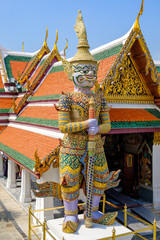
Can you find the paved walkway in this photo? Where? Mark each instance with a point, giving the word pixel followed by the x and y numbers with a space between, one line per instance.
pixel 13 215
pixel 13 219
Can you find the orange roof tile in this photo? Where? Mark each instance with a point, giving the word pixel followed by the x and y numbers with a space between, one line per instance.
pixel 2 128
pixel 27 66
pixel 35 74
pixel 1 82
pixel 58 82
pixel 123 114
pixel 27 142
pixel 55 83
pixel 18 100
pixel 6 103
pixel 17 66
pixel 44 112
pixel 104 66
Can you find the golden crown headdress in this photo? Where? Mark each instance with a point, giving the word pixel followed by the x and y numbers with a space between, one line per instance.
pixel 83 55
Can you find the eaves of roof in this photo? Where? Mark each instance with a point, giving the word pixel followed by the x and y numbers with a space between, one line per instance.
pixel 22 150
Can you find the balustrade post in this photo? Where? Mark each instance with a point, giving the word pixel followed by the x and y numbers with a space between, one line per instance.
pixel 125 215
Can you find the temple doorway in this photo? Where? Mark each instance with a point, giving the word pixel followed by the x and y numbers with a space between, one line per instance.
pixel 132 153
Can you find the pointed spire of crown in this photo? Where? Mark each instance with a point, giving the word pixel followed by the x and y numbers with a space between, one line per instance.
pixel 83 54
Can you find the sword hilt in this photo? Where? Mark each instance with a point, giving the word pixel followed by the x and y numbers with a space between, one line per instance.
pixel 91 108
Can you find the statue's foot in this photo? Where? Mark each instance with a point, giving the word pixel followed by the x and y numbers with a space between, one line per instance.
pixel 70 226
pixel 106 219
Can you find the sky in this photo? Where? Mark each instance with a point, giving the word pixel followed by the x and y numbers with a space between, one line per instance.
pixel 105 21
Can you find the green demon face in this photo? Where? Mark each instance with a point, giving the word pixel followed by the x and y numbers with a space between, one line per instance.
pixel 84 75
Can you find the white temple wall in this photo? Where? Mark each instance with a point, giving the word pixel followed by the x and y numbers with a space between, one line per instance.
pixel 156 174
pixel 42 203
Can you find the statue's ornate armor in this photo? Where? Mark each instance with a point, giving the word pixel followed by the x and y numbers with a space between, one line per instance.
pixel 73 113
pixel 83 116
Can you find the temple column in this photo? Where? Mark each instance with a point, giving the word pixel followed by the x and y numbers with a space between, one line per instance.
pixel 25 195
pixel 42 203
pixel 155 170
pixel 11 180
pixel 1 165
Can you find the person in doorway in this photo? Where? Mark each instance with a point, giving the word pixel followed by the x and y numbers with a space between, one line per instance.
pixel 5 166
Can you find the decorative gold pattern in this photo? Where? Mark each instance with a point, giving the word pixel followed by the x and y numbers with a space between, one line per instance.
pixel 42 72
pixel 43 50
pixel 106 219
pixel 67 68
pixel 71 212
pixel 123 69
pixel 126 81
pixel 156 140
pixel 44 164
pixel 23 46
pixel 70 227
pixel 136 25
pixel 83 53
pixel 150 64
pixel 4 74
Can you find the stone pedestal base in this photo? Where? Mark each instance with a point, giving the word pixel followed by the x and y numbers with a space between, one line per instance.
pixel 96 232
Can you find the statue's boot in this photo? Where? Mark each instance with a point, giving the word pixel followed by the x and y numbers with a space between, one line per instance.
pixel 71 221
pixel 100 218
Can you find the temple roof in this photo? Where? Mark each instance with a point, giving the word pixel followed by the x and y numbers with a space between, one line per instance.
pixel 144 119
pixel 22 150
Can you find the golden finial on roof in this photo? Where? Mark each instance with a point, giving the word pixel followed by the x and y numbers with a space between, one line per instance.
pixel 65 48
pixel 55 44
pixel 83 53
pixel 23 46
pixel 136 25
pixel 45 41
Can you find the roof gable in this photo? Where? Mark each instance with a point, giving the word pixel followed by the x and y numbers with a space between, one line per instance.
pixel 14 64
pixel 131 77
pixel 37 77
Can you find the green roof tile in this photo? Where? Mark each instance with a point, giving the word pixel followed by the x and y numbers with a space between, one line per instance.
pixel 158 69
pixel 2 90
pixel 6 110
pixel 154 112
pixel 13 58
pixel 136 124
pixel 108 53
pixel 27 162
pixel 57 69
pixel 47 97
pixel 39 121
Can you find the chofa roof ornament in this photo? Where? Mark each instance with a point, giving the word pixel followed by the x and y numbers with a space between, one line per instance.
pixel 136 25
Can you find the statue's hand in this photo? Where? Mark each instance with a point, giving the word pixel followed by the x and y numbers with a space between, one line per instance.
pixel 93 130
pixel 92 122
